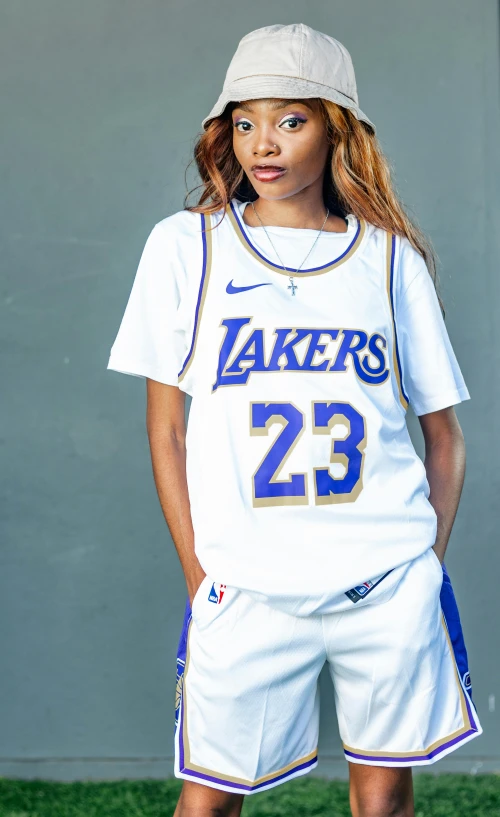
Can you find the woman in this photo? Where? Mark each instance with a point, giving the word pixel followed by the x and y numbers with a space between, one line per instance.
pixel 296 305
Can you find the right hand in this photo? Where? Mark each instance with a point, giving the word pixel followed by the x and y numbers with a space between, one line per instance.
pixel 193 584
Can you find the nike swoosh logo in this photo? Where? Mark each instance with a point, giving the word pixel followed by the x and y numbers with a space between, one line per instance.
pixel 231 289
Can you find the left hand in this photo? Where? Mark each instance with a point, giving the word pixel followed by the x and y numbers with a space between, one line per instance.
pixel 441 558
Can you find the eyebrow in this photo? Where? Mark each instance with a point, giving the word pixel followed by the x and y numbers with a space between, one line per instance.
pixel 275 106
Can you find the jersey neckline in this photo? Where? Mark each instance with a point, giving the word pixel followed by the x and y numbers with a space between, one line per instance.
pixel 357 227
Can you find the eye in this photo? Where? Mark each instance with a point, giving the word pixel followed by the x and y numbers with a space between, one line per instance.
pixel 242 122
pixel 295 120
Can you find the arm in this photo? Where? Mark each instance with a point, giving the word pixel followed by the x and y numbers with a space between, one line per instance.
pixel 166 428
pixel 445 466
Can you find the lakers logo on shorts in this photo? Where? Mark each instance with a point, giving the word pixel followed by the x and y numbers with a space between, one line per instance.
pixel 178 688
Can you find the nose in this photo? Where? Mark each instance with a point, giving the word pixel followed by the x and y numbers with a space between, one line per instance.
pixel 264 144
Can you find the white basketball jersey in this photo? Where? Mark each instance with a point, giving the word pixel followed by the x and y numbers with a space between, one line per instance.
pixel 303 480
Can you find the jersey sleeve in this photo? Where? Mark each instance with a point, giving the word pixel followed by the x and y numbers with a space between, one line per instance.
pixel 150 341
pixel 431 375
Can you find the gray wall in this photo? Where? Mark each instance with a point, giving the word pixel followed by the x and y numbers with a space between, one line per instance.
pixel 103 103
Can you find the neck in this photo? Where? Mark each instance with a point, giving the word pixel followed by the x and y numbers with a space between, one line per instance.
pixel 301 211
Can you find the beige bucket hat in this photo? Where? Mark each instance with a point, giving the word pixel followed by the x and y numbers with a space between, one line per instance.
pixel 290 62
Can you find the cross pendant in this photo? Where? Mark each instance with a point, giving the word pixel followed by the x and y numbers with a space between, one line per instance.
pixel 293 287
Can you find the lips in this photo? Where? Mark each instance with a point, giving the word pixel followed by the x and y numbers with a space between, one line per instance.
pixel 267 173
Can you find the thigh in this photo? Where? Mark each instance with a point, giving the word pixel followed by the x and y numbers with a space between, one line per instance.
pixel 247 692
pixel 400 697
pixel 376 791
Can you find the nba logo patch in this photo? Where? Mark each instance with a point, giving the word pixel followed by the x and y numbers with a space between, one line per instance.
pixel 357 593
pixel 216 592
pixel 363 588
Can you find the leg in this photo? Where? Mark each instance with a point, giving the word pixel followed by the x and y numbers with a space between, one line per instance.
pixel 197 800
pixel 377 791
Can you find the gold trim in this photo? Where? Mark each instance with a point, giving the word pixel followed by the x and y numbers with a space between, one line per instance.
pixel 224 778
pixel 208 268
pixel 395 364
pixel 275 267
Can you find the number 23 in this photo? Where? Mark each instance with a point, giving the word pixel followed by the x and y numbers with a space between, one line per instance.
pixel 347 450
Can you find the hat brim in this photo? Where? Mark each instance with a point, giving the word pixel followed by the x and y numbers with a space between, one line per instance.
pixel 263 86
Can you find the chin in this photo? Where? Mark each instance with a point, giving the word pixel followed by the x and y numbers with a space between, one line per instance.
pixel 272 191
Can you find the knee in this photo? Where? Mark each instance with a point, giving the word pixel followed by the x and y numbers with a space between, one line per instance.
pixel 198 800
pixel 376 791
pixel 390 804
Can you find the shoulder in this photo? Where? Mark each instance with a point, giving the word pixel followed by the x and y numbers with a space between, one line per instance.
pixel 405 252
pixel 413 285
pixel 411 265
pixel 407 262
pixel 403 264
pixel 377 240
pixel 184 229
pixel 177 239
pixel 184 224
pixel 175 251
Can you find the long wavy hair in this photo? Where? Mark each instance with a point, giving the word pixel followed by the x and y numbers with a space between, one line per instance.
pixel 357 177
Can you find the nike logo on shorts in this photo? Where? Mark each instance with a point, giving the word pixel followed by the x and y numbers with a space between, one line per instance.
pixel 231 289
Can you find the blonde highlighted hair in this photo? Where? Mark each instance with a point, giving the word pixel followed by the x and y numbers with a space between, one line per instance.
pixel 357 177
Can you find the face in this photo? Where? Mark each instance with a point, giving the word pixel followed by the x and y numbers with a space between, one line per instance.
pixel 281 145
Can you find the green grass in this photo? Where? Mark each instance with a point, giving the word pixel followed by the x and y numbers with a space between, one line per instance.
pixel 446 795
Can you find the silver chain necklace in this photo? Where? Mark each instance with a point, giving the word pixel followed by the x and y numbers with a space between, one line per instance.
pixel 292 285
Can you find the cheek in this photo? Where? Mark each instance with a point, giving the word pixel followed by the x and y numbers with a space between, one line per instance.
pixel 310 154
pixel 239 152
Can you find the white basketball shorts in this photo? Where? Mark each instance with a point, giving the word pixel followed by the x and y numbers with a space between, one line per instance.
pixel 247 697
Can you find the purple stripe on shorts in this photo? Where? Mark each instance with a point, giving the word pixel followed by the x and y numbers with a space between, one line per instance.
pixel 181 660
pixel 413 758
pixel 452 619
pixel 244 787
